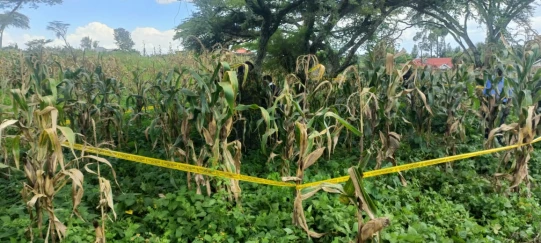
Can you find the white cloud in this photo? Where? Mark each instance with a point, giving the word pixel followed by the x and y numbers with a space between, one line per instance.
pixel 154 40
pixel 166 1
pixel 20 40
pixel 104 34
pixel 96 31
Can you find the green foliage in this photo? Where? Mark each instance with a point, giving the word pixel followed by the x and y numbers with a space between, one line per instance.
pixel 123 39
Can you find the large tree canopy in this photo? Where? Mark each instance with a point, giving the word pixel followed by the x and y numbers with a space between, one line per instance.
pixel 454 15
pixel 12 19
pixel 123 39
pixel 217 22
pixel 334 29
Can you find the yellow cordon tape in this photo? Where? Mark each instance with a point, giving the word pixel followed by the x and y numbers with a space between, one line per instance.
pixel 399 168
pixel 177 165
pixel 216 173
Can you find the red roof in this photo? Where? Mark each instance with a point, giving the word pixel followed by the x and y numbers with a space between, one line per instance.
pixel 435 62
pixel 242 51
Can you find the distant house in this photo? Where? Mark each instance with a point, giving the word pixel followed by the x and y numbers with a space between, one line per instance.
pixel 101 49
pixel 242 51
pixel 435 63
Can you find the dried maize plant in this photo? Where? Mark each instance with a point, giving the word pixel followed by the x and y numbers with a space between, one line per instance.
pixel 218 108
pixel 38 141
pixel 309 147
pixel 420 100
pixel 316 90
pixel 354 193
pixel 106 192
pixel 389 98
pixel 307 155
pixel 362 107
pixel 521 133
pixel 279 120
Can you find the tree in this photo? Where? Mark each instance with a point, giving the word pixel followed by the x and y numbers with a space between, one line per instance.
pixel 334 30
pixel 95 44
pixel 15 5
pixel 123 39
pixel 217 22
pixel 86 43
pixel 38 44
pixel 60 30
pixel 454 15
pixel 414 51
pixel 14 19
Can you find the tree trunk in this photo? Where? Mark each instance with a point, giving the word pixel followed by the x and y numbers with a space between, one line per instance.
pixel 1 37
pixel 262 46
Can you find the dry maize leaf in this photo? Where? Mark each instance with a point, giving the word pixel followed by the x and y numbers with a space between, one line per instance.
pixel 212 128
pixel 303 138
pixel 76 196
pixel 423 97
pixel 226 128
pixel 335 137
pixel 181 152
pixel 40 180
pixel 317 72
pixel 90 170
pixel 394 143
pixel 521 171
pixel 4 125
pixel 300 219
pixel 291 178
pixel 271 157
pixel 60 228
pixel 49 186
pixel 76 176
pixel 312 158
pixel 30 173
pixel 34 199
pixel 389 64
pixel 99 233
pixel 372 227
pixel 328 187
pixel 208 138
pixel 108 193
pixel 454 127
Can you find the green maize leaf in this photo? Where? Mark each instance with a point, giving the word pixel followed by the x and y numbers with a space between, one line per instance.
pixel 246 107
pixel 68 133
pixel 229 94
pixel 19 99
pixel 525 98
pixel 367 198
pixel 344 123
pixel 264 139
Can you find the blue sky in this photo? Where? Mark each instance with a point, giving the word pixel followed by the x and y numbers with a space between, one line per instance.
pixel 152 19
pixel 149 21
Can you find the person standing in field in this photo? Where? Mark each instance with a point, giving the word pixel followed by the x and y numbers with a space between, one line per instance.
pixel 496 94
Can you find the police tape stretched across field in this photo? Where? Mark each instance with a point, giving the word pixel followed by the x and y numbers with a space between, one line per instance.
pixel 216 173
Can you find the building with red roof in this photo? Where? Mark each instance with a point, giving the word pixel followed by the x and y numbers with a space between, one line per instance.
pixel 243 51
pixel 435 63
